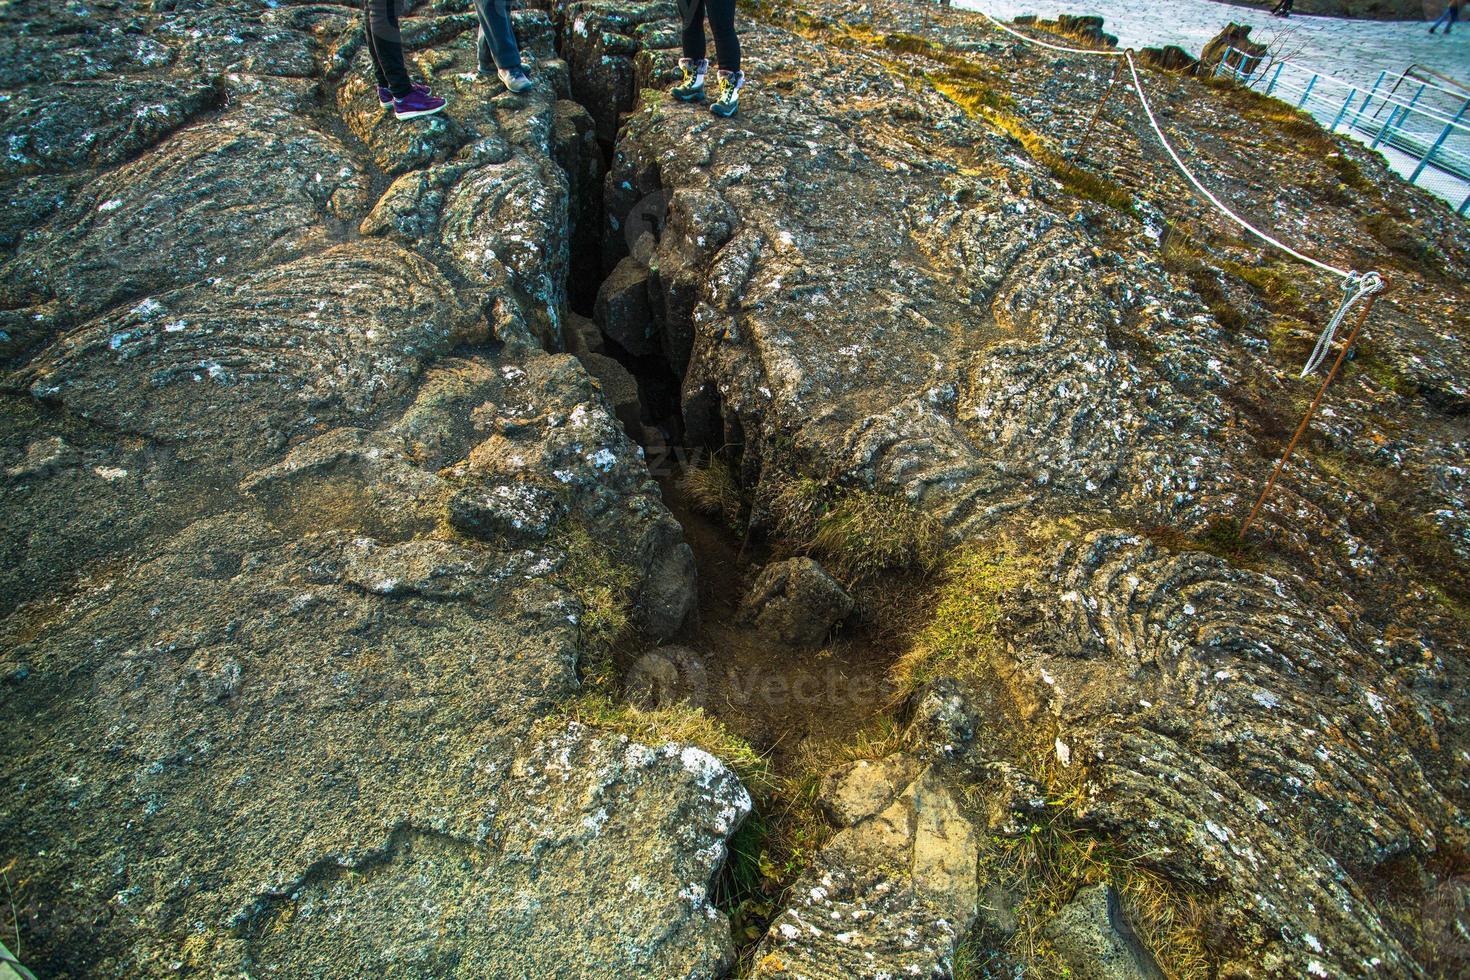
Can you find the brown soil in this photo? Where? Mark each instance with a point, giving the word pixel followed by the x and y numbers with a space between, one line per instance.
pixel 785 703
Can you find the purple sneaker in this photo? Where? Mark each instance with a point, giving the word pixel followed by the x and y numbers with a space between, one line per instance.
pixel 385 95
pixel 416 104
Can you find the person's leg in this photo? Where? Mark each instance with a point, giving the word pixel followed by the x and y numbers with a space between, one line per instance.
pixel 693 64
pixel 498 48
pixel 386 45
pixel 727 50
pixel 693 39
pixel 367 17
pixel 722 26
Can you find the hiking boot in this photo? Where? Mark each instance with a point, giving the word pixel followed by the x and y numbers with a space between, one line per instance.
pixel 385 94
pixel 514 79
pixel 729 101
pixel 416 104
pixel 691 89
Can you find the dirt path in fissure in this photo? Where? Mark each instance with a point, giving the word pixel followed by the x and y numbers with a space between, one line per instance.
pixel 784 702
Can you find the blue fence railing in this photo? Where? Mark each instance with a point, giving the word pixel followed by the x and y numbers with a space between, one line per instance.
pixel 1424 120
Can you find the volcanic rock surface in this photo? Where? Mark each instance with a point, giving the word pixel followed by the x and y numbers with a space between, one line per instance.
pixel 301 497
pixel 291 475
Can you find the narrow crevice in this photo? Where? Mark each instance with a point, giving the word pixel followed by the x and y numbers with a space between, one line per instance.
pixel 801 708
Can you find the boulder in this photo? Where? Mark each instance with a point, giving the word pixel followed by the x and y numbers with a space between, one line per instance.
pixel 856 791
pixel 1245 59
pixel 622 309
pixel 944 717
pixel 892 894
pixel 699 223
pixel 581 335
pixel 669 595
pixel 796 602
pixel 620 389
pixel 1088 27
pixel 1093 938
pixel 667 676
pixel 578 810
pixel 1170 57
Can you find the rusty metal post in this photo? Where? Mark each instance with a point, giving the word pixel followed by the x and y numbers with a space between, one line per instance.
pixel 1312 410
pixel 1097 114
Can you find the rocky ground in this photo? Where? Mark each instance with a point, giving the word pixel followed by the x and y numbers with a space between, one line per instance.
pixel 325 563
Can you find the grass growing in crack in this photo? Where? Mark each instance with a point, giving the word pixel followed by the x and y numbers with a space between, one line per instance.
pixel 1275 285
pixel 883 738
pixel 964 632
pixel 602 586
pixel 857 533
pixel 713 489
pixel 1053 861
pixel 1385 375
pixel 1289 328
pixel 1076 180
pixel 971 95
pixel 1057 857
pixel 1183 257
pixel 1221 538
pixel 1396 232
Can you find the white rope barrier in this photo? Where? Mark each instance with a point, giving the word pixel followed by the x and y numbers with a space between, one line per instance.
pixel 1356 286
pixel 1053 47
pixel 1353 290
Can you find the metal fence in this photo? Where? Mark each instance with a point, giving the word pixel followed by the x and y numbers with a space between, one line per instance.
pixel 1418 120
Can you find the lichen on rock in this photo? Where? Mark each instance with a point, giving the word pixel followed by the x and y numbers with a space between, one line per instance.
pixel 324 508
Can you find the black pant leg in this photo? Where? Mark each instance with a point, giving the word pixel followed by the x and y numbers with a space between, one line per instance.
pixel 372 46
pixel 722 26
pixel 694 44
pixel 385 44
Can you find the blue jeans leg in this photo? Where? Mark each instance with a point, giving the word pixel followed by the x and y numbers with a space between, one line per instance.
pixel 497 37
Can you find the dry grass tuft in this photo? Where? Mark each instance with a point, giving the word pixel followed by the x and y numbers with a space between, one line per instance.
pixel 678 723
pixel 964 631
pixel 713 489
pixel 603 587
pixel 1056 858
pixel 858 534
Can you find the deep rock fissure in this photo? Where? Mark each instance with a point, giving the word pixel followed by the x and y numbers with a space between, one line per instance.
pixel 773 696
pixel 792 705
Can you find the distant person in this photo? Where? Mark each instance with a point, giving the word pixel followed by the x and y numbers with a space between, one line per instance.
pixel 1450 15
pixel 385 45
pixel 1283 8
pixel 695 66
pixel 499 53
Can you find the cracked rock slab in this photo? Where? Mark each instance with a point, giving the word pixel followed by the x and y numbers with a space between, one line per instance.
pixel 891 894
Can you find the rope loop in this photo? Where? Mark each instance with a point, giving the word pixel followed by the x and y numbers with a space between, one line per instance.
pixel 1355 288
